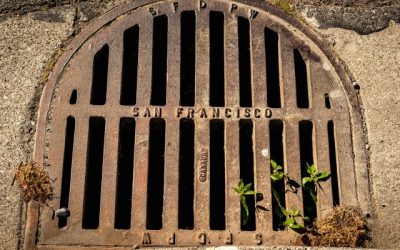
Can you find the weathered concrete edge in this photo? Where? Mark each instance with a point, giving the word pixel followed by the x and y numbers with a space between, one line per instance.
pixel 360 159
pixel 362 20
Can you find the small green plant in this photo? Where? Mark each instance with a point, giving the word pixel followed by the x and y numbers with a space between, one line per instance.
pixel 291 222
pixel 243 191
pixel 291 215
pixel 312 181
pixel 278 174
pixel 277 171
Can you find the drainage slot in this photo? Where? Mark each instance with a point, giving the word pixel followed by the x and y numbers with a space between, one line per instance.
pixel 247 169
pixel 124 173
pixel 276 152
pixel 74 96
pixel 333 163
pixel 217 67
pixel 217 175
pixel 100 72
pixel 244 62
pixel 67 163
pixel 272 64
pixel 155 186
pixel 129 66
pixel 306 157
pixel 327 101
pixel 186 174
pixel 301 80
pixel 94 165
pixel 188 57
pixel 159 69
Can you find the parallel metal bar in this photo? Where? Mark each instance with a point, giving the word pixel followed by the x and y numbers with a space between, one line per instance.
pixel 202 58
pixel 78 173
pixel 346 174
pixel 202 170
pixel 109 179
pixel 140 172
pixel 115 69
pixel 292 164
pixel 232 173
pixel 144 62
pixel 319 81
pixel 262 177
pixel 174 59
pixel 171 175
pixel 287 75
pixel 56 150
pixel 171 171
pixel 232 164
pixel 322 162
pixel 231 62
pixel 259 77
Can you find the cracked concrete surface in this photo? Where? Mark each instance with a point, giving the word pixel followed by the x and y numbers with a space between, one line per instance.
pixel 27 43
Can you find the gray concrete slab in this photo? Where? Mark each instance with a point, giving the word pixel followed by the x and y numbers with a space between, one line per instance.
pixel 374 61
pixel 26 45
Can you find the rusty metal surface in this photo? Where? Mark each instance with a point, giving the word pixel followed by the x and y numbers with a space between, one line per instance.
pixel 74 72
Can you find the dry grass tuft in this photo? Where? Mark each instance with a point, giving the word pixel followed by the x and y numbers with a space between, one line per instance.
pixel 34 182
pixel 343 227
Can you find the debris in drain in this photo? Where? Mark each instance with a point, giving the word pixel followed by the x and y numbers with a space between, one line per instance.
pixel 62 212
pixel 34 182
pixel 342 227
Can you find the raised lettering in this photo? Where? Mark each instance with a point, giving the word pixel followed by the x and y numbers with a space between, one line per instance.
pixel 233 8
pixel 179 112
pixel 258 239
pixel 202 237
pixel 176 6
pixel 203 4
pixel 215 113
pixel 268 113
pixel 228 239
pixel 190 113
pixel 147 113
pixel 247 112
pixel 171 239
pixel 157 112
pixel 203 113
pixel 146 240
pixel 135 112
pixel 203 165
pixel 253 14
pixel 228 113
pixel 152 11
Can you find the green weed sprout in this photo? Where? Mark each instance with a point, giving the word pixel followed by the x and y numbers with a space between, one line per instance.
pixel 314 177
pixel 243 191
pixel 278 174
pixel 291 215
pixel 277 171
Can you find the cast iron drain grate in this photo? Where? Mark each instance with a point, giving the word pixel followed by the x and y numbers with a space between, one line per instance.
pixel 159 108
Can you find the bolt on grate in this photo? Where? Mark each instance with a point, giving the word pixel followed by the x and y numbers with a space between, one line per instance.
pixel 160 109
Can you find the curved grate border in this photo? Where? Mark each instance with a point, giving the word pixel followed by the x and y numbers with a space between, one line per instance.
pixel 320 60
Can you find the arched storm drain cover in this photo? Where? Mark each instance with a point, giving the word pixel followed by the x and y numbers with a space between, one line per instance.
pixel 158 109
